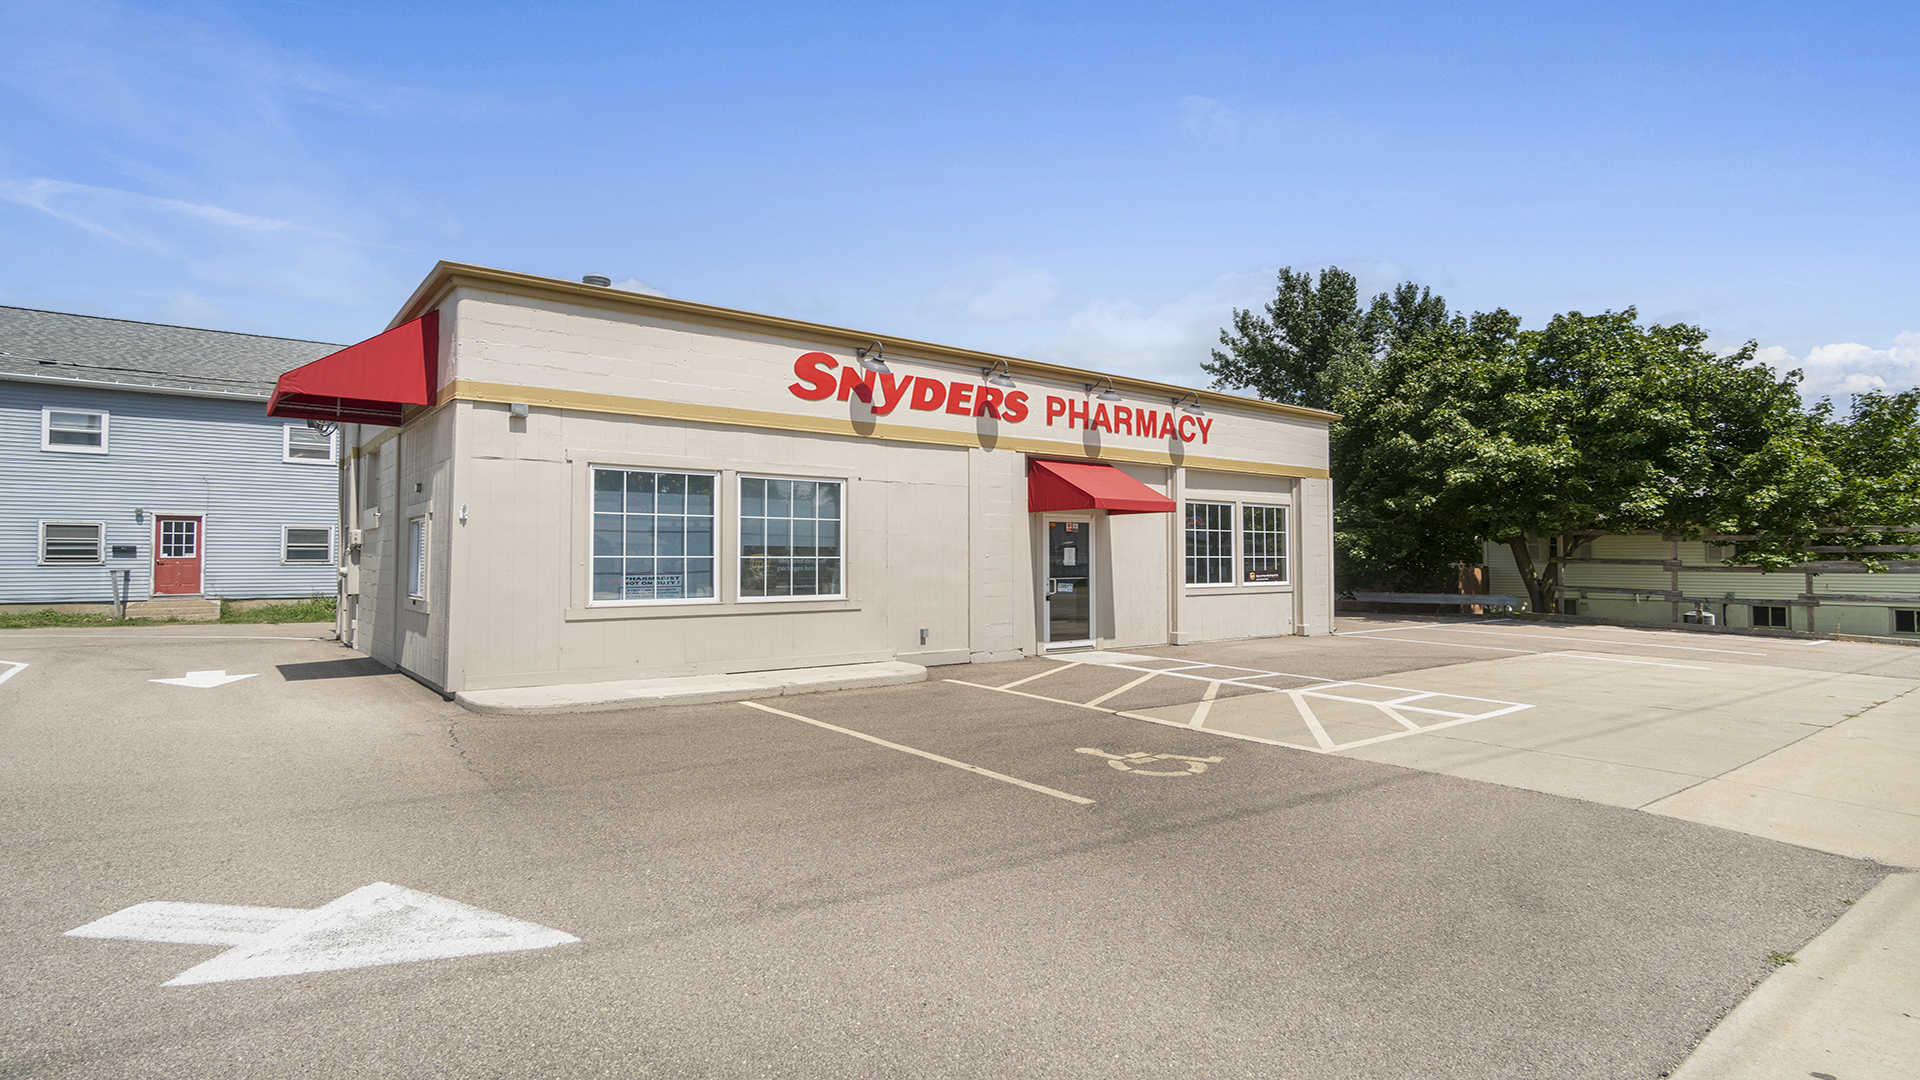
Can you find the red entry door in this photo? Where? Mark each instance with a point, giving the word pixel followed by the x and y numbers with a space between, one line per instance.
pixel 177 544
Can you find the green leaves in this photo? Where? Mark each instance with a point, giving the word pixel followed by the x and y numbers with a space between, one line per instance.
pixel 1458 430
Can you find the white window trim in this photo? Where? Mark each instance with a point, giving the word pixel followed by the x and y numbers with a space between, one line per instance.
pixel 672 601
pixel 332 555
pixel 740 503
pixel 286 447
pixel 46 432
pixel 1233 544
pixel 1286 540
pixel 99 559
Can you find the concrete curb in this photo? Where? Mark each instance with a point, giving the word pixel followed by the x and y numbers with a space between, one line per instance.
pixel 686 690
pixel 1846 1008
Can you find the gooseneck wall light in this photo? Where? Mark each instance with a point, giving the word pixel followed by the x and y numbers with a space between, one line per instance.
pixel 998 374
pixel 871 360
pixel 1189 403
pixel 1109 394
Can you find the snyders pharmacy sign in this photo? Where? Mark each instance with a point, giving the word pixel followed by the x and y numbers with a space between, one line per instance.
pixel 883 392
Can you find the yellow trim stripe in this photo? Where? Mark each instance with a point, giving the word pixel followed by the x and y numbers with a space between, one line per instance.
pixel 579 401
pixel 449 276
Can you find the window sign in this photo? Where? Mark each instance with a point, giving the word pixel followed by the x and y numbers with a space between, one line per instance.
pixel 1263 544
pixel 790 537
pixel 1067 556
pixel 652 535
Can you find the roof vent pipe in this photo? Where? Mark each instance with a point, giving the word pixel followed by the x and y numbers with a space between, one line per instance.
pixel 601 280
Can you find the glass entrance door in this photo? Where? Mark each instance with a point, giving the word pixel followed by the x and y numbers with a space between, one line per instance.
pixel 1069 584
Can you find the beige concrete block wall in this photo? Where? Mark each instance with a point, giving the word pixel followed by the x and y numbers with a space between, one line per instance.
pixel 938 537
pixel 1242 609
pixel 499 338
pixel 527 616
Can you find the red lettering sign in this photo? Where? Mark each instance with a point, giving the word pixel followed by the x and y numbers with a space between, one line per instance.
pixel 817 381
pixel 811 369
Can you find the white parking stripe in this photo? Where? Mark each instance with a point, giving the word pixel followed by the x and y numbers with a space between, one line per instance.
pixel 1123 689
pixel 1460 645
pixel 1313 722
pixel 1201 710
pixel 876 740
pixel 1624 660
pixel 1590 641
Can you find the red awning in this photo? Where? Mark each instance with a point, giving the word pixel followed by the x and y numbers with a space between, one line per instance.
pixel 1079 485
pixel 369 383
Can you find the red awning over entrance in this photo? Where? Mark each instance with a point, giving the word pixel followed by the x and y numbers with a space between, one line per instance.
pixel 369 383
pixel 1079 485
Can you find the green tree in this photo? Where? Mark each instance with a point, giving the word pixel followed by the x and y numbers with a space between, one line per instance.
pixel 1308 341
pixel 1847 486
pixel 1592 425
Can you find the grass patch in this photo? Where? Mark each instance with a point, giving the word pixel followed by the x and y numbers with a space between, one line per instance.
pixel 1781 959
pixel 319 609
pixel 27 620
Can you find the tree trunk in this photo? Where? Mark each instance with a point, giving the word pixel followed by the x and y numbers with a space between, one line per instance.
pixel 1542 589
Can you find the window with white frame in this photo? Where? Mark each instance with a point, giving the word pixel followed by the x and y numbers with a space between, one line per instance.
pixel 306 546
pixel 71 543
pixel 790 538
pixel 306 445
pixel 417 558
pixel 1263 544
pixel 652 535
pixel 1209 543
pixel 73 431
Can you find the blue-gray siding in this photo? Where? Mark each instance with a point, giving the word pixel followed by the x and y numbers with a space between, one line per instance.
pixel 168 454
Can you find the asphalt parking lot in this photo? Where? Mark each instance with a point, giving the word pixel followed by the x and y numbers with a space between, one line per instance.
pixel 962 878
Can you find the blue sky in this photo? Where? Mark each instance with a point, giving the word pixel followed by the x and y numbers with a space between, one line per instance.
pixel 1093 184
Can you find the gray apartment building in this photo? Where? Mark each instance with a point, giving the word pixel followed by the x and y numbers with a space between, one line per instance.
pixel 138 464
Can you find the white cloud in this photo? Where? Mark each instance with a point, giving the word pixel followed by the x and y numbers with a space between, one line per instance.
pixel 1014 294
pixel 1167 341
pixel 1848 368
pixel 1208 120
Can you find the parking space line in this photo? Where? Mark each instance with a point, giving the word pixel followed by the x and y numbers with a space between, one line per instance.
pixel 1404 700
pixel 1624 660
pixel 1387 707
pixel 1201 710
pixel 876 740
pixel 1459 645
pixel 14 667
pixel 1030 678
pixel 1123 689
pixel 1590 641
pixel 1313 722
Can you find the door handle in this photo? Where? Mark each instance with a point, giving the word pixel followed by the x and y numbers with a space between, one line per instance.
pixel 1053 586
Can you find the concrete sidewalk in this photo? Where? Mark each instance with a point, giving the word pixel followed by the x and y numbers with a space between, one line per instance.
pixel 687 689
pixel 1849 1006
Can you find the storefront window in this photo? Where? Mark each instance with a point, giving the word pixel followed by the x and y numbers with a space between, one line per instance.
pixel 1209 543
pixel 652 535
pixel 1263 543
pixel 790 537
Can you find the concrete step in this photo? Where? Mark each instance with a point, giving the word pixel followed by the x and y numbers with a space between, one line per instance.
pixel 184 608
pixel 687 689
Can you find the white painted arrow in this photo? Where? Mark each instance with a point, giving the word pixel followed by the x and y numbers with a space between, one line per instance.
pixel 369 927
pixel 13 667
pixel 201 680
